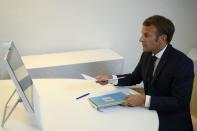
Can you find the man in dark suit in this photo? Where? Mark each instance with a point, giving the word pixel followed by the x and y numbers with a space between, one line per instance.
pixel 167 75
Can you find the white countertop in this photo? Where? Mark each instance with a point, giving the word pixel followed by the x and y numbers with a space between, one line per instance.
pixel 67 58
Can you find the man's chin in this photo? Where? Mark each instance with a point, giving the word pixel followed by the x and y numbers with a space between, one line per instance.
pixel 145 50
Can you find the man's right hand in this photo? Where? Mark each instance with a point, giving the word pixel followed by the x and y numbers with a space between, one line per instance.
pixel 103 79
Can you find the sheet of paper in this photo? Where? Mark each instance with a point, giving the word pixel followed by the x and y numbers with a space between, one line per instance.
pixel 110 109
pixel 114 80
pixel 87 77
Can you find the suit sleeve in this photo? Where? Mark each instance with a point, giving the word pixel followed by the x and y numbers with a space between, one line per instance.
pixel 132 78
pixel 180 94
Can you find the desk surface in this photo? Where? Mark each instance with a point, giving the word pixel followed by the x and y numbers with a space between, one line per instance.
pixel 69 58
pixel 61 111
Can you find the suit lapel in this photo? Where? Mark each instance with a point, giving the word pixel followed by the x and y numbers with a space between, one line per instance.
pixel 159 69
pixel 162 62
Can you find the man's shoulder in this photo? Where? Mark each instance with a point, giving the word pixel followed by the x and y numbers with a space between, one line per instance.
pixel 181 62
pixel 179 55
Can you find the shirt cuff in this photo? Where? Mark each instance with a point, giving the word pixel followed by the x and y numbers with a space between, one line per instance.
pixel 115 81
pixel 147 101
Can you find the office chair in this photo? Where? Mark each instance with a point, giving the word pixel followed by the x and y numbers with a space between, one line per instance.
pixel 193 104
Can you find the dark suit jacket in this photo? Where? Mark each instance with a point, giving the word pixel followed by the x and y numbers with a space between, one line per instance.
pixel 171 88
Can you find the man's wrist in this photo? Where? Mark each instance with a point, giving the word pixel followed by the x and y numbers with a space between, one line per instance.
pixel 147 101
pixel 115 81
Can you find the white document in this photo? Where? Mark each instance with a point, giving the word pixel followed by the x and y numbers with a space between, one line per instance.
pixel 112 81
pixel 110 109
pixel 87 77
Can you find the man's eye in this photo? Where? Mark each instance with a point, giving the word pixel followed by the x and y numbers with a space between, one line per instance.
pixel 145 35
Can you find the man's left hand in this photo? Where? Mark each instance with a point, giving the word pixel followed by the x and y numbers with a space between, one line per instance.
pixel 134 100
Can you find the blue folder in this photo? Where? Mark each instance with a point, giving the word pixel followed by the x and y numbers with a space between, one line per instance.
pixel 108 100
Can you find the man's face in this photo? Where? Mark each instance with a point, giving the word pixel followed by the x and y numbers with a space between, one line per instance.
pixel 150 41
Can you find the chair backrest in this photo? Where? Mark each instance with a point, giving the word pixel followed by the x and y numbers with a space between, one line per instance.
pixel 193 104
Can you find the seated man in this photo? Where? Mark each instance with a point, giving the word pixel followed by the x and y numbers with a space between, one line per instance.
pixel 167 75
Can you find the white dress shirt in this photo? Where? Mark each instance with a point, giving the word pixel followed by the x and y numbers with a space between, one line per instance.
pixel 148 97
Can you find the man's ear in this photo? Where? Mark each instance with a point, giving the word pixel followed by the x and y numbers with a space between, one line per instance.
pixel 163 38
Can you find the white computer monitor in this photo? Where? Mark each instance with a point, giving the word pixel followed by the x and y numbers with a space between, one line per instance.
pixel 19 75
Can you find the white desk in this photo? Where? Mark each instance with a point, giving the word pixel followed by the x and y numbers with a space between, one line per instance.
pixel 60 111
pixel 193 55
pixel 72 64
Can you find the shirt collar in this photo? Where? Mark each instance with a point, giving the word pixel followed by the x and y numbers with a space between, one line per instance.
pixel 160 53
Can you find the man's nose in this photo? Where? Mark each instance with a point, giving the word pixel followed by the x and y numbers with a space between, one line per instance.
pixel 141 39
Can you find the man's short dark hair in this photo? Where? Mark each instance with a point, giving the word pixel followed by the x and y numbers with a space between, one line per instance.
pixel 162 24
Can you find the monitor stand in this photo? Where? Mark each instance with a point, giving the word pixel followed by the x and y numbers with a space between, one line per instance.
pixel 5 115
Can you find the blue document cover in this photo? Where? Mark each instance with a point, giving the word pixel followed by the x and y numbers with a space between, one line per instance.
pixel 108 100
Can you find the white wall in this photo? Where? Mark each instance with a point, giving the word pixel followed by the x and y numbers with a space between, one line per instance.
pixel 44 26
